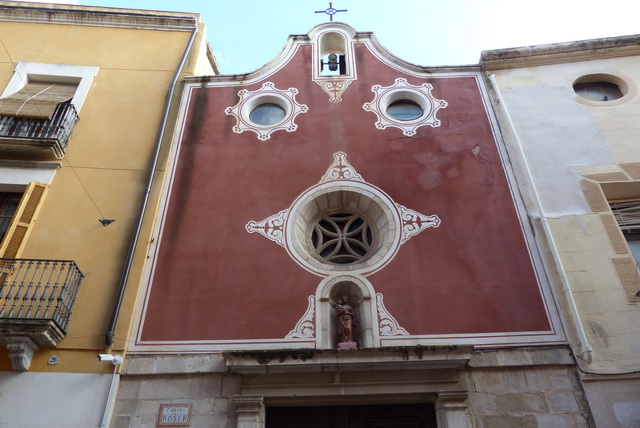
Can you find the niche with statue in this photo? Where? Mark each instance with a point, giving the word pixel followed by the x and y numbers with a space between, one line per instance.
pixel 345 314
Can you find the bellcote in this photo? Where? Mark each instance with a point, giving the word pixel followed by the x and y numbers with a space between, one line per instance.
pixel 334 67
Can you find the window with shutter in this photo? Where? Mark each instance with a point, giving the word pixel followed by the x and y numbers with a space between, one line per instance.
pixel 37 99
pixel 25 215
pixel 8 205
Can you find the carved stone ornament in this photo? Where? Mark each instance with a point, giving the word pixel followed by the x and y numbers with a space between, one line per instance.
pixel 401 90
pixel 413 222
pixel 250 411
pixel 268 94
pixel 340 170
pixel 334 88
pixel 305 328
pixel 387 324
pixel 271 227
pixel 21 351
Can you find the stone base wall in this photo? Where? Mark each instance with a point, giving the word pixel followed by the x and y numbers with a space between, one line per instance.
pixel 615 402
pixel 139 399
pixel 528 398
pixel 528 388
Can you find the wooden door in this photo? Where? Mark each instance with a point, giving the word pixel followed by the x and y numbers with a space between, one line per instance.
pixel 420 415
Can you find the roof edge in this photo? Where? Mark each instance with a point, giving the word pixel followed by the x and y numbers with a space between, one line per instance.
pixel 97 16
pixel 554 53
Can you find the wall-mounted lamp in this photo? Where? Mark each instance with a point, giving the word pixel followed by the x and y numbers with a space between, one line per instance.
pixel 116 360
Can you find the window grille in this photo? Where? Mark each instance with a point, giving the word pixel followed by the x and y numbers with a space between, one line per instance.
pixel 627 214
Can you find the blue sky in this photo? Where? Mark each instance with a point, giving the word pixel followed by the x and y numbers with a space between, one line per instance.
pixel 245 34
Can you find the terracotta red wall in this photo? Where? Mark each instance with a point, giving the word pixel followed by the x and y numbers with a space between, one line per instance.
pixel 215 281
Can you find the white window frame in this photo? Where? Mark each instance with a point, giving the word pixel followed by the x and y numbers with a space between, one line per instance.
pixel 29 71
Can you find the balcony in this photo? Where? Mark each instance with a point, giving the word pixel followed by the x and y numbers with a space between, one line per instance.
pixel 36 301
pixel 38 139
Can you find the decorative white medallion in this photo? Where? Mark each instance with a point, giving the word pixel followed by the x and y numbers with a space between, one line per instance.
pixel 271 227
pixel 269 95
pixel 413 222
pixel 305 328
pixel 401 91
pixel 387 324
pixel 343 196
pixel 340 170
pixel 334 88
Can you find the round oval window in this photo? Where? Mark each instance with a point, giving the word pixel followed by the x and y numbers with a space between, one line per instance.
pixel 267 114
pixel 598 91
pixel 404 110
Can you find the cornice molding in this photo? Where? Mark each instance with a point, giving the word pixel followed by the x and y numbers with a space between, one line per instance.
pixel 92 16
pixel 295 41
pixel 558 53
pixel 331 360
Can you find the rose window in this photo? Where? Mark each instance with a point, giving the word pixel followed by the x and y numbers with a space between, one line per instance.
pixel 342 238
pixel 342 224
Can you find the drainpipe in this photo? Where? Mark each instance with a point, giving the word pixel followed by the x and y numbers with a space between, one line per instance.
pixel 147 192
pixel 111 396
pixel 584 344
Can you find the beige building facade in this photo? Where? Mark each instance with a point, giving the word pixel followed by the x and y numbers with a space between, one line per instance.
pixel 569 115
pixel 86 95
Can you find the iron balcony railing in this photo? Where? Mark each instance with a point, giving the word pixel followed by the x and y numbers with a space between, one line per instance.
pixel 58 128
pixel 38 290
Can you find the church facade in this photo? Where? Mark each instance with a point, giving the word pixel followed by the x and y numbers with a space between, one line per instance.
pixel 344 230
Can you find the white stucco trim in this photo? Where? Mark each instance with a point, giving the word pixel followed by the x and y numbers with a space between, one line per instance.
pixel 16 175
pixel 80 74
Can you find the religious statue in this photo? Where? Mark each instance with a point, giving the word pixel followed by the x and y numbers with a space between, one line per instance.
pixel 346 324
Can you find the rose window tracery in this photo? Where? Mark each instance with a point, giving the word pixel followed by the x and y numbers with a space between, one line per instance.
pixel 342 237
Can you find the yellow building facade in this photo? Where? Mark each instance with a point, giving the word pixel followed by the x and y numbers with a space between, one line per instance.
pixel 86 94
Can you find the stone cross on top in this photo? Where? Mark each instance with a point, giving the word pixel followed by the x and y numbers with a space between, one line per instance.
pixel 331 11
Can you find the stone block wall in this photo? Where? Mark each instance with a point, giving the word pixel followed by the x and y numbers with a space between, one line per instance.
pixel 139 399
pixel 527 397
pixel 535 387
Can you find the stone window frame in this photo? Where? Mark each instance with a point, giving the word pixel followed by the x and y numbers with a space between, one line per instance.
pixel 626 85
pixel 359 197
pixel 594 187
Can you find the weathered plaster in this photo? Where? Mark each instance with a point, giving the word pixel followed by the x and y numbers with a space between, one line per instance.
pixel 71 400
pixel 556 134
